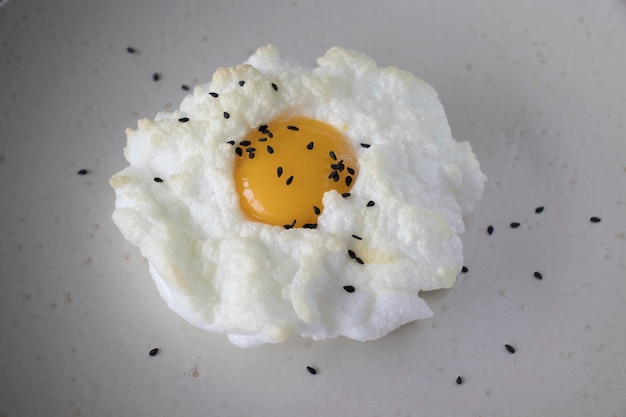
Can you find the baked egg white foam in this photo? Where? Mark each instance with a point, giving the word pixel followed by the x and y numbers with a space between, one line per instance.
pixel 358 270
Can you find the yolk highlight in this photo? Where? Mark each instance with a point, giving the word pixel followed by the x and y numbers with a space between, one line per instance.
pixel 283 169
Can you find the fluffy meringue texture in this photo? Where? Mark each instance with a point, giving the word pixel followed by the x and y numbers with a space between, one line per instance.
pixel 264 284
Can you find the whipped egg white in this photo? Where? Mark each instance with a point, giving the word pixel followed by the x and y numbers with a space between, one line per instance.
pixel 281 201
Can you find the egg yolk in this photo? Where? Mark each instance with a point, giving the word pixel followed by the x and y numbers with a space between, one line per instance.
pixel 283 169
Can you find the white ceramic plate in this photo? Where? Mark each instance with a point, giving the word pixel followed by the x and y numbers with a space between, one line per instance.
pixel 537 87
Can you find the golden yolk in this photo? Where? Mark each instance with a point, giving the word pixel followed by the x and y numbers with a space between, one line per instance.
pixel 283 169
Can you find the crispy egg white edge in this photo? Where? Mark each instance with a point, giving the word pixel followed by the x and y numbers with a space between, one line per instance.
pixel 263 284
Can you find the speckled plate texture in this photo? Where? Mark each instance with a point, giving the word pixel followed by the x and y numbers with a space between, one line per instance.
pixel 537 87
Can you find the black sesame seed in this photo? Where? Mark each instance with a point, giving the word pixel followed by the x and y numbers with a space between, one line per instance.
pixel 370 203
pixel 156 76
pixel 348 288
pixel 269 134
pixel 350 171
pixel 263 128
pixel 348 180
pixel 183 119
pixel 293 128
pixel 332 155
pixel 538 275
pixel 334 175
pixel 359 260
pixel 262 139
pixel 459 380
pixel 351 253
pixel 251 155
pixel 464 269
pixel 539 209
pixel 279 171
pixel 245 143
pixel 310 226
pixel 514 225
pixel 365 145
pixel 270 149
pixel 185 87
pixel 357 237
pixel 153 352
pixel 595 219
pixel 311 370
pixel 157 179
pixel 510 348
pixel 82 172
pixel 309 146
pixel 275 87
pixel 212 94
pixel 289 180
pixel 238 151
pixel 131 50
pixel 241 83
pixel 226 115
pixel 316 210
pixel 490 230
pixel 345 195
pixel 289 226
pixel 231 142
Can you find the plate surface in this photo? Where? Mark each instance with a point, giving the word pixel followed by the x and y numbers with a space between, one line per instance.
pixel 538 89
